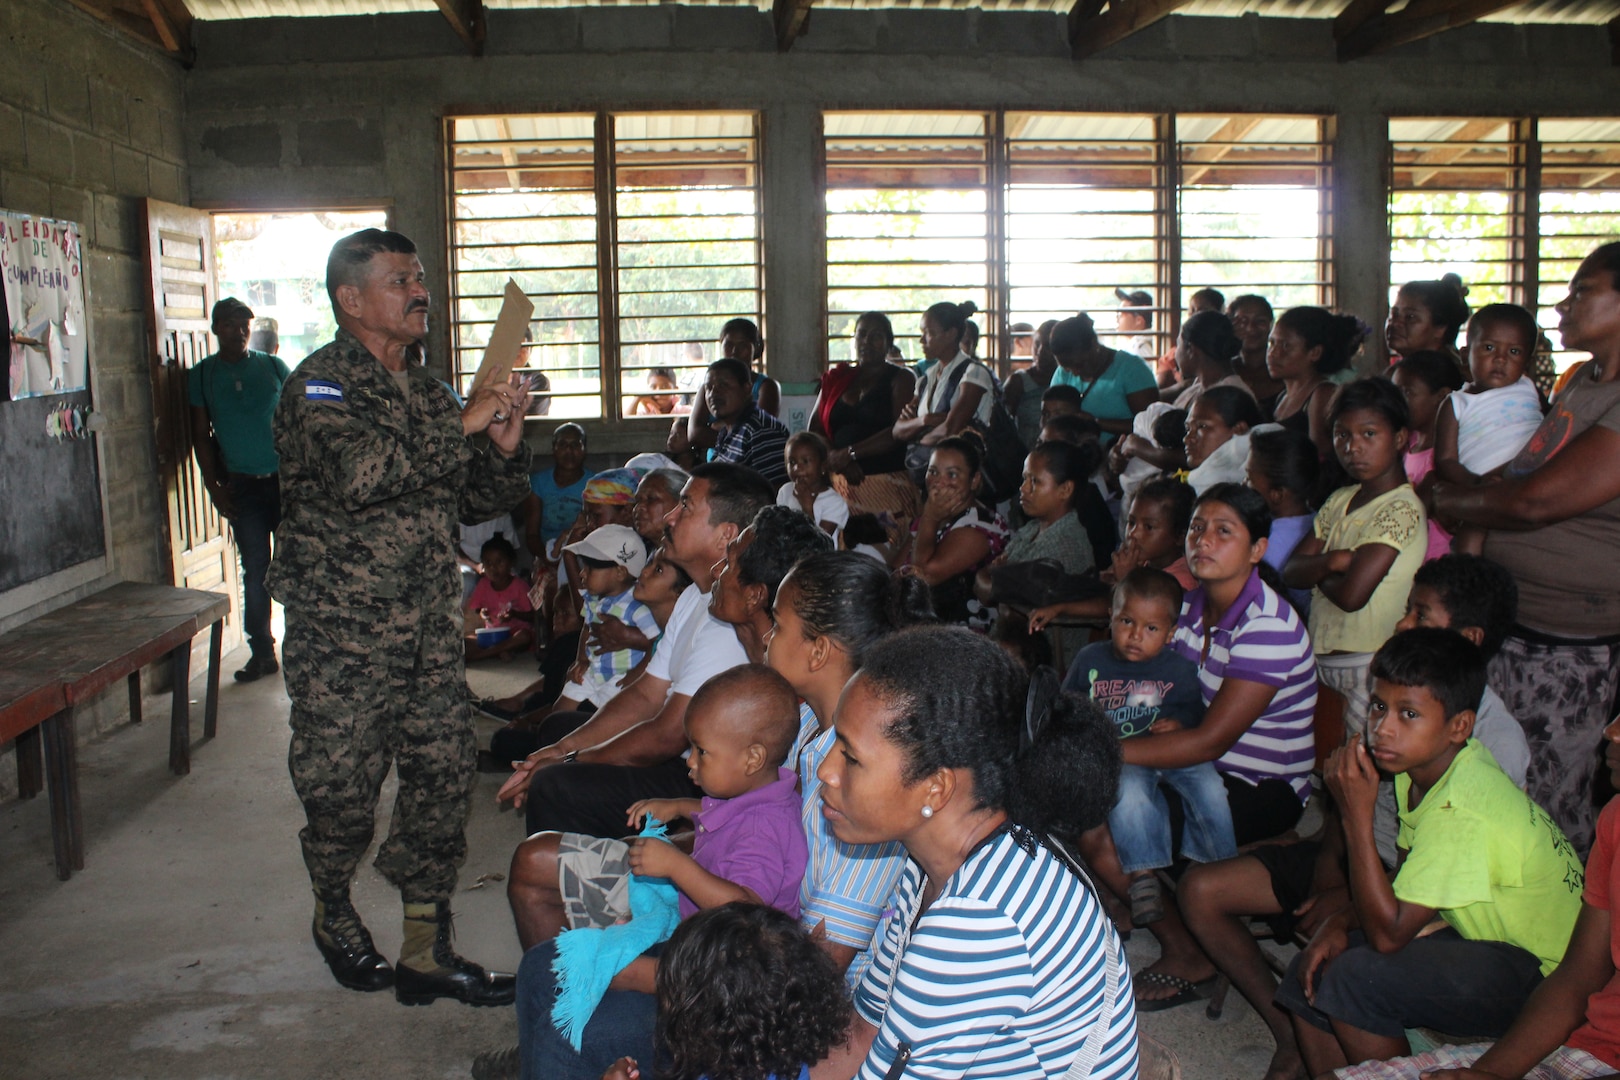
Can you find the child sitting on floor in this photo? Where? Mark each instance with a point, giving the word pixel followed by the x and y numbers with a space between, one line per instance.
pixel 500 599
pixel 743 991
pixel 1570 1027
pixel 1482 428
pixel 810 487
pixel 1143 686
pixel 1474 850
pixel 749 844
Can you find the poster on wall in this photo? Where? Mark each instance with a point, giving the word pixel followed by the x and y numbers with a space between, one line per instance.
pixel 42 270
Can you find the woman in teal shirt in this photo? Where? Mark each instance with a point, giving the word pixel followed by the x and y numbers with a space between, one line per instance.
pixel 1114 385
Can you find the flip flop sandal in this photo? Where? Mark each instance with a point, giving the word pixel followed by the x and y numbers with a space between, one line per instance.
pixel 1187 992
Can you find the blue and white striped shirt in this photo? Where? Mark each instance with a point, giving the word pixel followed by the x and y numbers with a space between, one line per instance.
pixel 1003 976
pixel 845 885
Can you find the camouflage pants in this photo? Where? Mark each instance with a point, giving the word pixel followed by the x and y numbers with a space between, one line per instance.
pixel 1561 695
pixel 367 694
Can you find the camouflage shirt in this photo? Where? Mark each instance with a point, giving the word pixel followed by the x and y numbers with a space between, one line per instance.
pixel 373 487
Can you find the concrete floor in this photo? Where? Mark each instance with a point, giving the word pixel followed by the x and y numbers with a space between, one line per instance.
pixel 182 949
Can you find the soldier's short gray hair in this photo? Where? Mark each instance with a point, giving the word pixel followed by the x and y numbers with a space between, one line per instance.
pixel 352 254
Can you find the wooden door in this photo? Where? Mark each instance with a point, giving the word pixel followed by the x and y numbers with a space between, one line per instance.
pixel 181 291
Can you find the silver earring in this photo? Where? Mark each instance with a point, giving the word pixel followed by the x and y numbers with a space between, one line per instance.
pixel 928 811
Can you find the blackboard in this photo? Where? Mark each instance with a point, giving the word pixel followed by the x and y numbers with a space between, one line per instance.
pixel 50 493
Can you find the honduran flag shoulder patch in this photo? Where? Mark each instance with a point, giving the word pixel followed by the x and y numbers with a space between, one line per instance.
pixel 323 391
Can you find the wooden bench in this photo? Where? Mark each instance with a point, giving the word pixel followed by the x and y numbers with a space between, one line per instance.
pixel 52 665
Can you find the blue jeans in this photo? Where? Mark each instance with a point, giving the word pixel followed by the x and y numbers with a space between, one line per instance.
pixel 255 513
pixel 623 1024
pixel 1140 820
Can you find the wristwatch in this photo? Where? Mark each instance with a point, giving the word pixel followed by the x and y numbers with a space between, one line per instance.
pixel 570 757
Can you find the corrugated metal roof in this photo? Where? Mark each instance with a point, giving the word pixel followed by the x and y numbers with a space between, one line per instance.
pixel 1531 11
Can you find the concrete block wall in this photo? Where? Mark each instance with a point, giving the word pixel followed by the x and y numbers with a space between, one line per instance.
pixel 90 122
pixel 284 83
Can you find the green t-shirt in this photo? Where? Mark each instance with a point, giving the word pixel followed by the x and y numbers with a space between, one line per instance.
pixel 241 397
pixel 1488 859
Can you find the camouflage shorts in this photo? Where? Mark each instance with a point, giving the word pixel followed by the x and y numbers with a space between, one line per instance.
pixel 593 874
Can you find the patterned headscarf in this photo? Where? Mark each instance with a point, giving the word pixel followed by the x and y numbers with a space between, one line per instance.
pixel 613 487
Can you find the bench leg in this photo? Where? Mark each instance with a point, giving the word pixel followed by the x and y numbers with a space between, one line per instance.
pixel 180 712
pixel 62 767
pixel 211 706
pixel 30 773
pixel 135 696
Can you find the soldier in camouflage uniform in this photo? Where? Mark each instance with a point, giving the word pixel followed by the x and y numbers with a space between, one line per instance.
pixel 377 469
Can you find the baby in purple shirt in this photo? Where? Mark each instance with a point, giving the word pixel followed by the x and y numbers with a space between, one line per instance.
pixel 748 842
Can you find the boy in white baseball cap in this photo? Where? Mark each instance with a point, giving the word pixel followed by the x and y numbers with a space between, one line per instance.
pixel 610 559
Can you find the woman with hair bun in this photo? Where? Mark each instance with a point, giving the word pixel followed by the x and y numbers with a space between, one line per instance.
pixel 970 765
pixel 1426 315
pixel 1308 346
pixel 957 390
pixel 830 610
pixel 1114 384
pixel 956 534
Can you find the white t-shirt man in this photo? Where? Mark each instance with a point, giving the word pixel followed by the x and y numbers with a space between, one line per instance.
pixel 695 646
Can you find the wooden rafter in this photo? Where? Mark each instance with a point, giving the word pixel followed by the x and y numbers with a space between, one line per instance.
pixel 1357 14
pixel 1221 143
pixel 1466 137
pixel 162 24
pixel 466 18
pixel 1380 32
pixel 791 18
pixel 509 155
pixel 1091 34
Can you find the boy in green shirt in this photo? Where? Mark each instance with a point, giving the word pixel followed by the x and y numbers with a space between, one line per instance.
pixel 1473 850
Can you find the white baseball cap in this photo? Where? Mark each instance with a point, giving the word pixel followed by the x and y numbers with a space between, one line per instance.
pixel 614 543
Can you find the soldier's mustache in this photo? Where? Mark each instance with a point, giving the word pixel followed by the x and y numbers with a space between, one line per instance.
pixel 416 305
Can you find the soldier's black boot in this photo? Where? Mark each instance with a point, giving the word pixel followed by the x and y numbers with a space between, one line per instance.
pixel 429 968
pixel 347 947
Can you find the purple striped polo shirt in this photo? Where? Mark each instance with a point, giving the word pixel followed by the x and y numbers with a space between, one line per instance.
pixel 1259 639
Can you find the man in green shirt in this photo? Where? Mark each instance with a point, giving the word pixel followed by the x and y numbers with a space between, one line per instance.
pixel 233 396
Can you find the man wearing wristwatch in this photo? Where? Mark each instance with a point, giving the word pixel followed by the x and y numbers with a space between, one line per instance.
pixel 233 396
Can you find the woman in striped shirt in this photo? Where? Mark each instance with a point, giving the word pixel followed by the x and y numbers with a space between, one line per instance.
pixel 995 958
pixel 1258 678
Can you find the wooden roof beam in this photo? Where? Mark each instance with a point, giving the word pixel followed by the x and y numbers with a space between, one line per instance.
pixel 1223 142
pixel 1091 30
pixel 162 24
pixel 1380 32
pixel 466 18
pixel 172 21
pixel 791 18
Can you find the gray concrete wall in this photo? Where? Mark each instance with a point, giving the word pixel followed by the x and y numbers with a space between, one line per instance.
pixel 397 75
pixel 90 122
